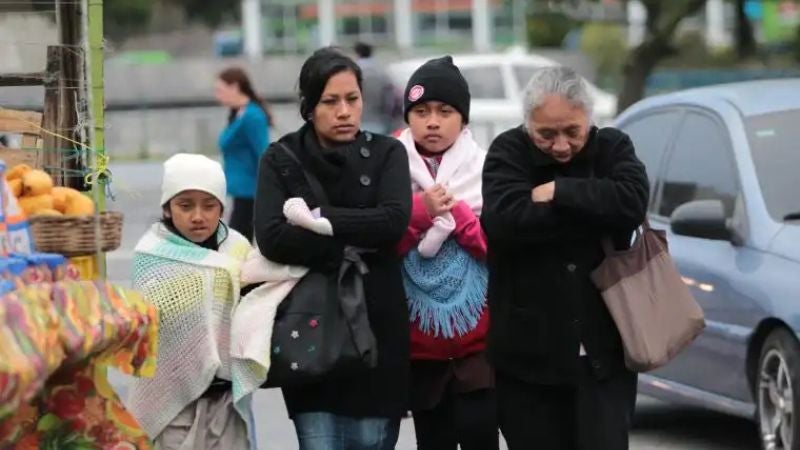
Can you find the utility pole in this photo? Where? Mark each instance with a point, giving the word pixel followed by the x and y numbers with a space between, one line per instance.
pixel 251 24
pixel 326 15
pixel 402 25
pixel 481 25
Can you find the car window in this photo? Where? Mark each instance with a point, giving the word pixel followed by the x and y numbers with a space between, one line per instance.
pixel 485 82
pixel 773 145
pixel 651 135
pixel 523 74
pixel 700 166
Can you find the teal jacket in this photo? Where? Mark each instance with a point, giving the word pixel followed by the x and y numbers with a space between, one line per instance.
pixel 242 143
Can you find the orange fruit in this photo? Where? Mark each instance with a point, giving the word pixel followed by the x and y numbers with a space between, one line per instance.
pixel 17 171
pixel 15 186
pixel 79 205
pixel 36 182
pixel 33 204
pixel 60 196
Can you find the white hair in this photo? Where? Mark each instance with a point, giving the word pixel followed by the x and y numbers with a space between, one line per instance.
pixel 556 80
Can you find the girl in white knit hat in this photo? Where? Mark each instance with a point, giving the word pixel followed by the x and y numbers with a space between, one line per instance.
pixel 188 265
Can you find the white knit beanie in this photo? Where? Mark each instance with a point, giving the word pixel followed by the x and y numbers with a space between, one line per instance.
pixel 188 172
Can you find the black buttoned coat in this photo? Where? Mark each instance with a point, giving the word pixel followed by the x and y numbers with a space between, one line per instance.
pixel 543 304
pixel 369 188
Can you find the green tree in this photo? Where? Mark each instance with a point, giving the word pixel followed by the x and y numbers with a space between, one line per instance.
pixel 606 45
pixel 663 19
pixel 745 39
pixel 121 17
pixel 797 44
pixel 548 29
pixel 125 17
pixel 210 12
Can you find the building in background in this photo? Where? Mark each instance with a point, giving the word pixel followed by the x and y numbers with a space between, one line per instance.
pixel 292 26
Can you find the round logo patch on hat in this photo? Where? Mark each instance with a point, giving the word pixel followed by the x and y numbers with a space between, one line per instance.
pixel 416 92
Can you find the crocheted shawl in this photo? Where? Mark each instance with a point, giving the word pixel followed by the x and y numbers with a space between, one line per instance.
pixel 447 293
pixel 195 290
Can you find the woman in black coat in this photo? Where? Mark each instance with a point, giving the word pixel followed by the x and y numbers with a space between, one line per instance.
pixel 366 179
pixel 553 189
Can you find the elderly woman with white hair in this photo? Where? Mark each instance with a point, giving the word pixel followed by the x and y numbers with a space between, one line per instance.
pixel 553 189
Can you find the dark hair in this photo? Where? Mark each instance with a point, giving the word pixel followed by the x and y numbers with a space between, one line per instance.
pixel 237 76
pixel 363 50
pixel 315 73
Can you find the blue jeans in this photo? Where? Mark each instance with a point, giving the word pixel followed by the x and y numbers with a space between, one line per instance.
pixel 326 431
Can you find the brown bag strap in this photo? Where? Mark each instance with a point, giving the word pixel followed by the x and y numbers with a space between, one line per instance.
pixel 608 244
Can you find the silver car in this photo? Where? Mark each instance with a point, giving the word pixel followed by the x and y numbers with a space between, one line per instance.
pixel 724 165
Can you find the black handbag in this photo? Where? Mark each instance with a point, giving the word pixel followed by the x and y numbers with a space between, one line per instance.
pixel 321 328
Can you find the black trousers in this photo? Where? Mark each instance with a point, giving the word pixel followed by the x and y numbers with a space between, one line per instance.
pixel 242 216
pixel 590 415
pixel 468 419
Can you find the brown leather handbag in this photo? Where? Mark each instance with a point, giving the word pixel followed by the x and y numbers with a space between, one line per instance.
pixel 652 307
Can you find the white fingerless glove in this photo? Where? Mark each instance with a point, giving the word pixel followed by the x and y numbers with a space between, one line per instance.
pixel 442 227
pixel 297 213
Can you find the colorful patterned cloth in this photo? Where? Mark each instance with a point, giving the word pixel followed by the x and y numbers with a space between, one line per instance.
pixel 56 342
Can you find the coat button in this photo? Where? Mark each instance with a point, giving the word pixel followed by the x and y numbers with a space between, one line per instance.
pixel 365 180
pixel 572 267
pixel 596 364
pixel 368 136
pixel 365 152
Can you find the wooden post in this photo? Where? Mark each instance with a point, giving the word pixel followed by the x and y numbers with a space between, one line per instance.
pixel 72 75
pixel 51 158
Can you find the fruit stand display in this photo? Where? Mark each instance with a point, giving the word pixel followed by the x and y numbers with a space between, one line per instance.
pixel 58 333
pixel 62 220
pixel 61 325
pixel 56 342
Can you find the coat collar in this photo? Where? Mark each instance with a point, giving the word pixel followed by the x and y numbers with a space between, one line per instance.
pixel 326 163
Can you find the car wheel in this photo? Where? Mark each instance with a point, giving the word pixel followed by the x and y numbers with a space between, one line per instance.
pixel 778 391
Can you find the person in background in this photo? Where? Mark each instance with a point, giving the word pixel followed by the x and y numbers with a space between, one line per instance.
pixel 188 266
pixel 452 385
pixel 366 179
pixel 553 189
pixel 379 93
pixel 242 143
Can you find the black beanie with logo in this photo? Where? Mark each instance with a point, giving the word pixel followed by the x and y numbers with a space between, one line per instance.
pixel 440 80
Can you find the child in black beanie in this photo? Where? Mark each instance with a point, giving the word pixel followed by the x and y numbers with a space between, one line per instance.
pixel 444 266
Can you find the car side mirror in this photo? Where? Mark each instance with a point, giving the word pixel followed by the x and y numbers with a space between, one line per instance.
pixel 704 219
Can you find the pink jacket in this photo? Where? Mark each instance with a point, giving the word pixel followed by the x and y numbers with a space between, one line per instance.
pixel 470 237
pixel 468 232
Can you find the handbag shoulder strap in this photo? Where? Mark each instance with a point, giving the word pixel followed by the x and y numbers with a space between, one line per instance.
pixel 313 182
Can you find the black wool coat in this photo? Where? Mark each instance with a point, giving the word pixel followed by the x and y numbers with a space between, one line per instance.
pixel 542 302
pixel 369 189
